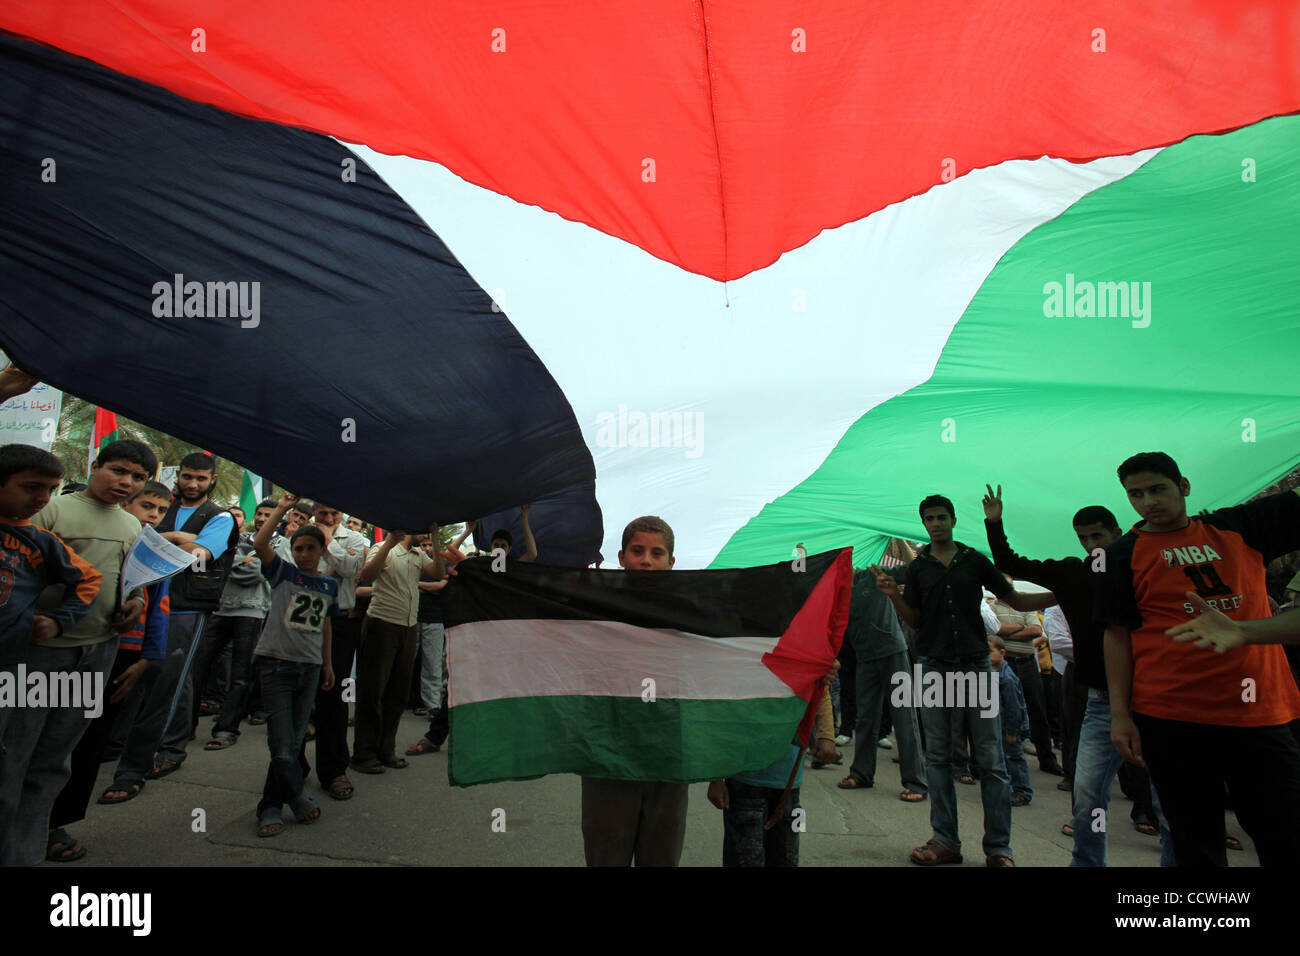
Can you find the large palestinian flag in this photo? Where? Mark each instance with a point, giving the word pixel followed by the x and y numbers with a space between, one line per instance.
pixel 772 272
pixel 676 676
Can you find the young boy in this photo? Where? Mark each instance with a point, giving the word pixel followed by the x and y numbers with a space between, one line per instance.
pixel 145 642
pixel 37 741
pixel 747 800
pixel 31 558
pixel 1202 721
pixel 291 658
pixel 1015 723
pixel 627 820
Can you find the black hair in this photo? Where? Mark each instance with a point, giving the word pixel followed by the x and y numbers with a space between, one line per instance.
pixel 267 503
pixel 306 507
pixel 128 449
pixel 154 488
pixel 16 458
pixel 504 535
pixel 1096 514
pixel 198 461
pixel 311 531
pixel 72 487
pixel 937 501
pixel 1156 462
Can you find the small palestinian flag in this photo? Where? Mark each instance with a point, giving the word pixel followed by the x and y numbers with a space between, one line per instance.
pixel 104 433
pixel 678 676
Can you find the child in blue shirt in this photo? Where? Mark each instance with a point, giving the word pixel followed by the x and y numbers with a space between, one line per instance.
pixel 1015 723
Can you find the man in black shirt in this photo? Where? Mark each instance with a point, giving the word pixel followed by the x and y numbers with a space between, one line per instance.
pixel 1073 581
pixel 942 594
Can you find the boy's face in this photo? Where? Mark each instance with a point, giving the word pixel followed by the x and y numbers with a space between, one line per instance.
pixel 26 493
pixel 938 524
pixel 996 654
pixel 148 508
pixel 1094 536
pixel 646 551
pixel 306 553
pixel 501 543
pixel 1158 499
pixel 115 481
pixel 260 517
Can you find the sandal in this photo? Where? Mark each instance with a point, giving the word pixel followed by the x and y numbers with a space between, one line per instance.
pixel 270 826
pixel 340 788
pixel 162 768
pixel 422 746
pixel 422 712
pixel 62 848
pixel 910 796
pixel 311 733
pixel 257 720
pixel 999 860
pixel 311 816
pixel 220 743
pixel 818 764
pixel 933 853
pixel 853 783
pixel 1150 829
pixel 395 763
pixel 1233 843
pixel 966 779
pixel 128 793
pixel 1067 829
pixel 375 767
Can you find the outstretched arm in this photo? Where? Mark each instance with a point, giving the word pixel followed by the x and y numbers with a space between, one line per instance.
pixel 530 546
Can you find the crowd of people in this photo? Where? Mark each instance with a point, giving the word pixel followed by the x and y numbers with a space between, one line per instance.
pixel 280 609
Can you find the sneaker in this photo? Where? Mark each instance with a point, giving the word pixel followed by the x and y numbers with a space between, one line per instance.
pixel 884 744
pixel 841 740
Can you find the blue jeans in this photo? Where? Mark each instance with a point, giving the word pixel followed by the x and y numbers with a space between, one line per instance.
pixel 289 691
pixel 1095 764
pixel 1017 767
pixel 995 784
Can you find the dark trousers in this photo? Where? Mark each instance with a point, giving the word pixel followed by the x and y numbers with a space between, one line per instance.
pixel 1075 702
pixel 163 703
pixel 1135 783
pixel 331 709
pixel 439 724
pixel 1040 729
pixel 744 841
pixel 1260 767
pixel 215 676
pixel 384 665
pixel 70 805
pixel 631 820
pixel 1053 698
pixel 239 636
pixel 848 692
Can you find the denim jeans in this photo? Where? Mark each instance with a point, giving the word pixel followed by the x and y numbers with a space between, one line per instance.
pixel 995 784
pixel 289 690
pixel 744 841
pixel 1095 764
pixel 431 666
pixel 1013 751
pixel 36 744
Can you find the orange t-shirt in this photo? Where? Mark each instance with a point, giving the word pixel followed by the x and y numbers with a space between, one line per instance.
pixel 1220 556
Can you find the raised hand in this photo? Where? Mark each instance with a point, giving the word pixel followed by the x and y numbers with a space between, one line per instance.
pixel 885 582
pixel 1213 629
pixel 993 504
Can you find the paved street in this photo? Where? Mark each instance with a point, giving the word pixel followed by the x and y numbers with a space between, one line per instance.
pixel 413 817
